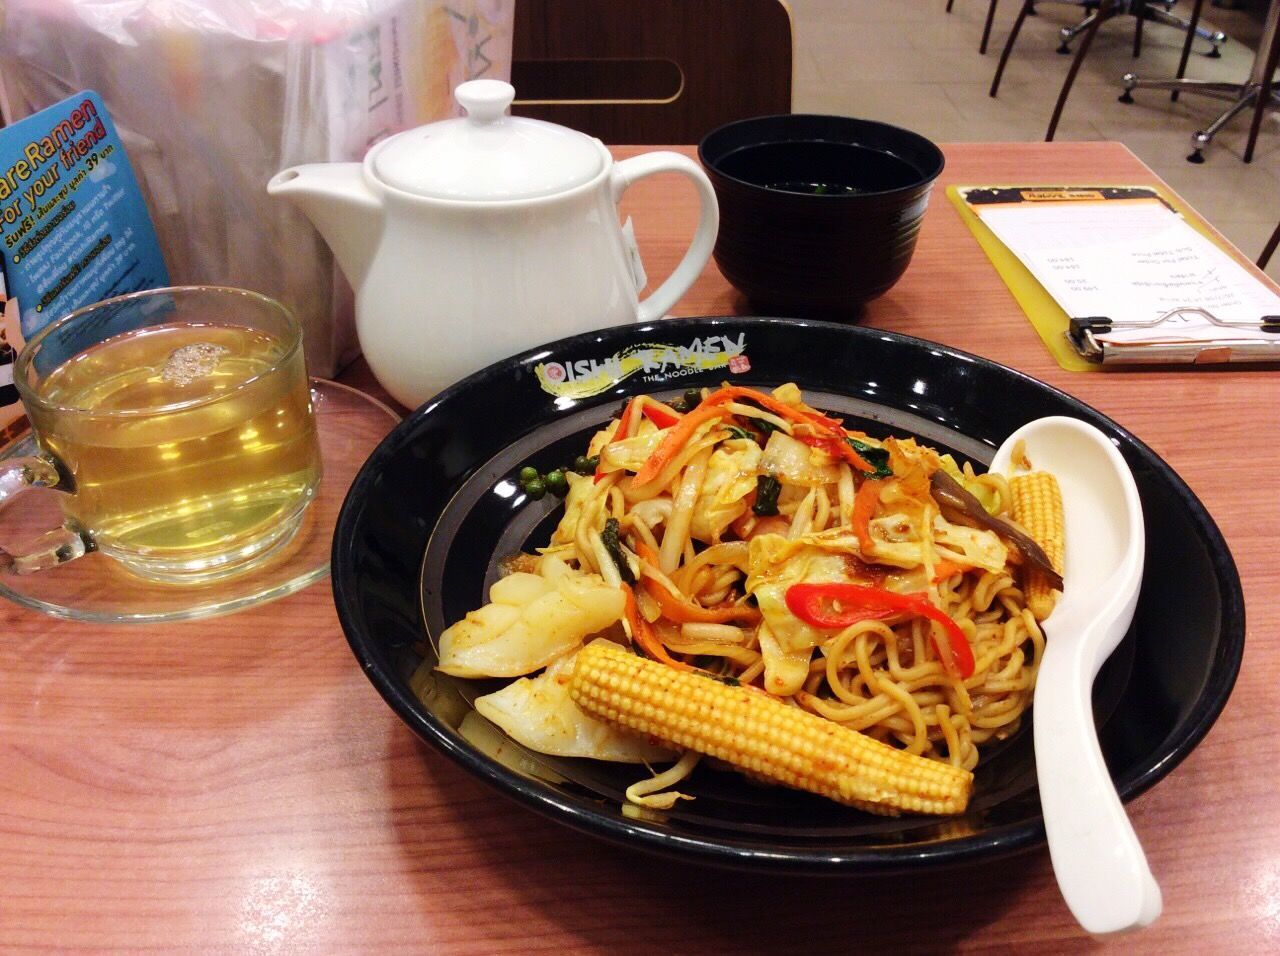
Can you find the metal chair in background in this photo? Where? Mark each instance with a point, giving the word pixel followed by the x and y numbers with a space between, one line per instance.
pixel 1155 11
pixel 1158 12
pixel 986 27
pixel 1269 248
pixel 1256 91
pixel 1101 12
pixel 651 71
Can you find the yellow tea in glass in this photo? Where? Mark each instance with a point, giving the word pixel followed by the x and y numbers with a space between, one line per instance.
pixel 180 424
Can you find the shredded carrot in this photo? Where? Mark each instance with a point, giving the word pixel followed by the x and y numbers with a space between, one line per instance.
pixel 742 525
pixel 832 439
pixel 727 393
pixel 675 439
pixel 622 431
pixel 628 416
pixel 643 634
pixel 945 568
pixel 864 509
pixel 837 447
pixel 677 608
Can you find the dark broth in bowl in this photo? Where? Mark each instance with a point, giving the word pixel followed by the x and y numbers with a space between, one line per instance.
pixel 817 189
pixel 819 168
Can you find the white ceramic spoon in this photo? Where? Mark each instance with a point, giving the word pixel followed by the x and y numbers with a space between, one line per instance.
pixel 1101 869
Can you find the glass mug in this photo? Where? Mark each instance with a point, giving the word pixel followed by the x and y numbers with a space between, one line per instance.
pixel 178 425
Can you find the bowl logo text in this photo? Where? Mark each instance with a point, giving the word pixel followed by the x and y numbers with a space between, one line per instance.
pixel 654 362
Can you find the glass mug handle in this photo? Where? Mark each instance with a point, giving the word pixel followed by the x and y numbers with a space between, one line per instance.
pixel 52 548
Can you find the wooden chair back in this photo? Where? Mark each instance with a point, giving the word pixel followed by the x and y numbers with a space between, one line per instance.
pixel 651 71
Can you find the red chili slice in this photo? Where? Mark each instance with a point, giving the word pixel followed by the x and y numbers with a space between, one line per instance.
pixel 812 603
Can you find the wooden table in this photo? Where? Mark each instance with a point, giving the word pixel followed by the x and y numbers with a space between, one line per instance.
pixel 237 784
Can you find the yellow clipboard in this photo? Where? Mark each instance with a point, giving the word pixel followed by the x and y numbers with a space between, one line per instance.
pixel 1041 309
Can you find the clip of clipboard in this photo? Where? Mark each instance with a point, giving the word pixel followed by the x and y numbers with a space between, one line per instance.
pixel 1086 337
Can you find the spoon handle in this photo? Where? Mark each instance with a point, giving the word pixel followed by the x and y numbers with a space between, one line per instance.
pixel 1099 863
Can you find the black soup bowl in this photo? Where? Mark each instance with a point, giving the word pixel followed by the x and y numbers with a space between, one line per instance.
pixel 437 505
pixel 818 214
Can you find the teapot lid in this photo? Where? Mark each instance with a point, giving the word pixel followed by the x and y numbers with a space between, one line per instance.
pixel 487 156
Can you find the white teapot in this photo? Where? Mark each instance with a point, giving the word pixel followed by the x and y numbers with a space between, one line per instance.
pixel 472 239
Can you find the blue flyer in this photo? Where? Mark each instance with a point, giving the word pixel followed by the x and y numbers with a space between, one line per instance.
pixel 73 226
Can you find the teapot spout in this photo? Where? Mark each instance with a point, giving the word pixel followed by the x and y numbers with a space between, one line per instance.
pixel 341 206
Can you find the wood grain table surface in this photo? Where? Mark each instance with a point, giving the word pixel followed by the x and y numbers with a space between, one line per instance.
pixel 236 784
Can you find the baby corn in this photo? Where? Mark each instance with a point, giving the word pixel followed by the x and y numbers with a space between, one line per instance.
pixel 761 735
pixel 1037 506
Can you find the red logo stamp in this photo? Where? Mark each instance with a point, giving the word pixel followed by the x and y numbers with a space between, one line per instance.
pixel 739 364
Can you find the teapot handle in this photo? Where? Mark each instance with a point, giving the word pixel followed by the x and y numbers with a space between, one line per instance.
pixel 628 171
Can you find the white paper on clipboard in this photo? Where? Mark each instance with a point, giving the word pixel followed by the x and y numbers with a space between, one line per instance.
pixel 1135 261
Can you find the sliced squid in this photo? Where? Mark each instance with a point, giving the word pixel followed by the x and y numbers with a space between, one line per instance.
pixel 531 620
pixel 538 713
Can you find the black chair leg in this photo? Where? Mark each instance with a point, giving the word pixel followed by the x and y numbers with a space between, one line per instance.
pixel 1140 18
pixel 1186 45
pixel 1105 12
pixel 1008 46
pixel 1264 97
pixel 1269 248
pixel 986 27
pixel 949 5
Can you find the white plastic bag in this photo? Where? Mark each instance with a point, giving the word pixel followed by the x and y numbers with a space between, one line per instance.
pixel 212 97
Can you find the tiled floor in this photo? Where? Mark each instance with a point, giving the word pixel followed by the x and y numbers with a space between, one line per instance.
pixel 909 62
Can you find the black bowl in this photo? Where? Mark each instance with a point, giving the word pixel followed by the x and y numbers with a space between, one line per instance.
pixel 825 252
pixel 417 538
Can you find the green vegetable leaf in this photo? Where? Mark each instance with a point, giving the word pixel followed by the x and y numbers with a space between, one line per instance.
pixel 877 458
pixel 611 544
pixel 767 491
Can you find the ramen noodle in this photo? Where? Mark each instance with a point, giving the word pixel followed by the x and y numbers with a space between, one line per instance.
pixel 874 584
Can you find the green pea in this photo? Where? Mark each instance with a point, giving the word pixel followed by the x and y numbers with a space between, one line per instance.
pixel 527 474
pixel 535 489
pixel 556 483
pixel 582 465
